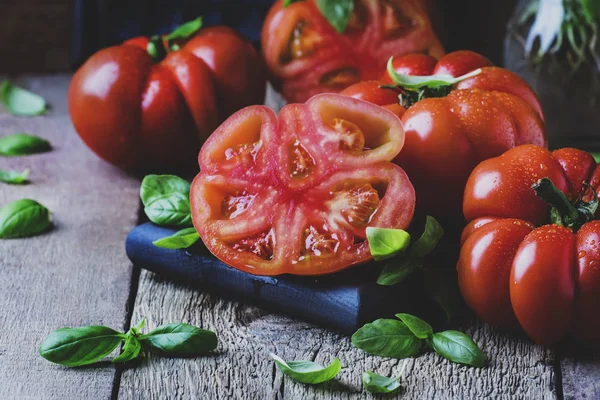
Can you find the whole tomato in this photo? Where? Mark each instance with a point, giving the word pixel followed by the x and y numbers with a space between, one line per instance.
pixel 306 55
pixel 149 104
pixel 456 112
pixel 531 252
pixel 295 193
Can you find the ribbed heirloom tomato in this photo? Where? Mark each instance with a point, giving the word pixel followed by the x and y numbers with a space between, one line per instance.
pixel 150 104
pixel 524 262
pixel 453 124
pixel 295 193
pixel 307 55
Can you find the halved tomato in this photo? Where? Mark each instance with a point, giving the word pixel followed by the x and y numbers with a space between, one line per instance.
pixel 295 193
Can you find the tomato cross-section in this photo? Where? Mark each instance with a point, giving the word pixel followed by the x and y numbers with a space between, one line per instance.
pixel 295 193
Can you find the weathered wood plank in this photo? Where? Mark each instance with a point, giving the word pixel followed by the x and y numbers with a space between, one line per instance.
pixel 581 374
pixel 76 274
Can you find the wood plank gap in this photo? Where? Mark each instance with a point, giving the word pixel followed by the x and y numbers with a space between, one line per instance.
pixel 558 377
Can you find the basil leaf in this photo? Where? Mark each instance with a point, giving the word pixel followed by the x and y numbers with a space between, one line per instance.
pixel 80 346
pixel 428 240
pixel 596 156
pixel 387 338
pixel 432 81
pixel 420 328
pixel 458 347
pixel 166 200
pixel 308 371
pixel 137 329
pixel 375 383
pixel 392 273
pixel 14 177
pixel 186 30
pixel 21 102
pixel 181 340
pixel 337 12
pixel 180 240
pixel 23 218
pixel 131 349
pixel 22 144
pixel 385 243
pixel 286 3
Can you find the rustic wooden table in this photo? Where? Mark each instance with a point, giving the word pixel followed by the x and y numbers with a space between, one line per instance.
pixel 78 274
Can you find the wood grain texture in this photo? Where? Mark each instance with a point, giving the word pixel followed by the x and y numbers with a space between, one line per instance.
pixel 77 273
pixel 581 374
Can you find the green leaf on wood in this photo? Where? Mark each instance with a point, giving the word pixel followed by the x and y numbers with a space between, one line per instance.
pixel 23 218
pixel 19 101
pixel 375 383
pixel 387 338
pixel 22 144
pixel 308 371
pixel 14 177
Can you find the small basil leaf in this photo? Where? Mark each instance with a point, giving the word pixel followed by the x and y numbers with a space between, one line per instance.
pixel 428 240
pixel 387 338
pixel 337 12
pixel 308 371
pixel 22 144
pixel 14 177
pixel 286 3
pixel 181 340
pixel 166 200
pixel 179 240
pixel 23 218
pixel 394 273
pixel 19 101
pixel 186 30
pixel 80 346
pixel 385 243
pixel 375 383
pixel 458 347
pixel 420 328
pixel 596 156
pixel 137 329
pixel 131 349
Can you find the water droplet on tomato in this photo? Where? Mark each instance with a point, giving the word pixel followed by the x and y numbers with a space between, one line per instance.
pixel 581 254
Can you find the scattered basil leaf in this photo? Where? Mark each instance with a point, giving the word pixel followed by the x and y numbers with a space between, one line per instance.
pixel 186 30
pixel 166 200
pixel 179 240
pixel 19 101
pixel 286 3
pixel 385 243
pixel 23 218
pixel 375 383
pixel 420 328
pixel 308 371
pixel 180 340
pixel 22 144
pixel 131 349
pixel 395 272
pixel 458 347
pixel 387 338
pixel 429 239
pixel 80 346
pixel 337 12
pixel 14 177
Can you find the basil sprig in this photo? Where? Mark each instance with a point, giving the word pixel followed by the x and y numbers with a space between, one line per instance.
pixel 375 383
pixel 23 218
pixel 22 144
pixel 86 345
pixel 14 177
pixel 19 101
pixel 308 371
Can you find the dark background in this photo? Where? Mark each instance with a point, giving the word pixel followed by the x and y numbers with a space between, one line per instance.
pixel 57 35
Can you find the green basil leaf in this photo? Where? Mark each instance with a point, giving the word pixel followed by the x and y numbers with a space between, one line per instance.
pixel 308 371
pixel 385 243
pixel 179 240
pixel 166 200
pixel 420 328
pixel 458 347
pixel 181 340
pixel 186 30
pixel 19 101
pixel 596 157
pixel 80 346
pixel 23 218
pixel 394 273
pixel 286 3
pixel 428 240
pixel 14 177
pixel 137 329
pixel 131 349
pixel 375 383
pixel 387 338
pixel 337 12
pixel 22 144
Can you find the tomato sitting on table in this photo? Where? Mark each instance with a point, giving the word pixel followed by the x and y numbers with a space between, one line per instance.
pixel 295 193
pixel 525 262
pixel 151 103
pixel 454 116
pixel 307 55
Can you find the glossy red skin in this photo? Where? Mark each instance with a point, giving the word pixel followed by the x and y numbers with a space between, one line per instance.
pixel 142 115
pixel 365 50
pixel 286 205
pixel 447 137
pixel 546 278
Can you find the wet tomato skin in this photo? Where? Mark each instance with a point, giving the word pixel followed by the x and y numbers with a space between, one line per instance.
pixel 587 304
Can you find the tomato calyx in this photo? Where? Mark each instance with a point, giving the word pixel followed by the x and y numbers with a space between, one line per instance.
pixel 159 46
pixel 563 212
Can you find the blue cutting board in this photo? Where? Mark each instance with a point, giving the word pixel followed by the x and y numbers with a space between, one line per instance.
pixel 343 301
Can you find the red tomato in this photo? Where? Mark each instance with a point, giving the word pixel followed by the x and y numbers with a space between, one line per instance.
pixel 446 137
pixel 295 193
pixel 306 55
pixel 140 114
pixel 514 270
